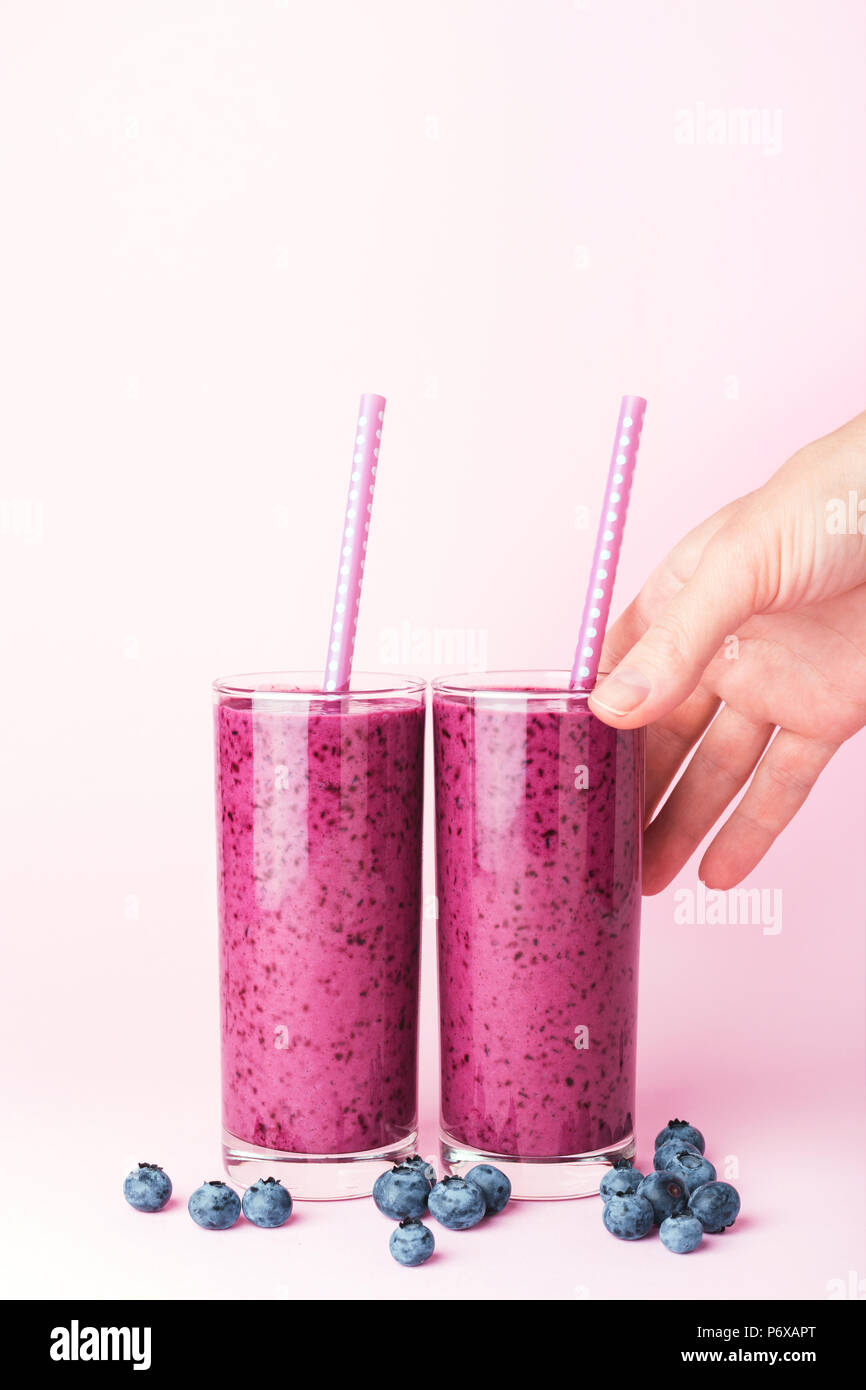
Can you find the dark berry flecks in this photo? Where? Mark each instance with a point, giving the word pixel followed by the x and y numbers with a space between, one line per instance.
pixel 320 910
pixel 538 886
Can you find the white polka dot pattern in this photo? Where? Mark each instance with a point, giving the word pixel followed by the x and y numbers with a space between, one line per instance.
pixel 608 541
pixel 350 571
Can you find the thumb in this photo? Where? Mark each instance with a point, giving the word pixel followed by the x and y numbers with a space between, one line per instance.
pixel 668 662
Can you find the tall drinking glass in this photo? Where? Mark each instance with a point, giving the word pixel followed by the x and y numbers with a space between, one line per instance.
pixel 319 806
pixel 538 868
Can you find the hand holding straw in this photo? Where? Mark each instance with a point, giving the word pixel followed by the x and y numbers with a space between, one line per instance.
pixel 350 571
pixel 608 542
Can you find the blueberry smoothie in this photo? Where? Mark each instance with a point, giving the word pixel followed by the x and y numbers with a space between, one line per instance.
pixel 319 807
pixel 538 827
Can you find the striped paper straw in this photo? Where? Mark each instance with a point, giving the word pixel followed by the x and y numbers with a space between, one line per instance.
pixel 350 571
pixel 608 542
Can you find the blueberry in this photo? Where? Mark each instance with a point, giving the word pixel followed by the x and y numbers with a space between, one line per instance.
pixel 267 1203
pixel 666 1194
pixel 662 1158
pixel 494 1186
pixel 621 1178
pixel 692 1167
pixel 627 1215
pixel 401 1191
pixel 215 1206
pixel 715 1204
pixel 684 1132
pixel 681 1233
pixel 422 1166
pixel 147 1187
pixel 457 1204
pixel 411 1242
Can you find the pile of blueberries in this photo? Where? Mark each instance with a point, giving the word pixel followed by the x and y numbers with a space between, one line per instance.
pixel 682 1196
pixel 410 1190
pixel 214 1205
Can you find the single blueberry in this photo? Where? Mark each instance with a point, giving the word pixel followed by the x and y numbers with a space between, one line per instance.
pixel 684 1132
pixel 627 1215
pixel 494 1186
pixel 663 1156
pixel 681 1233
pixel 666 1194
pixel 715 1204
pixel 621 1178
pixel 692 1167
pixel 457 1204
pixel 422 1166
pixel 401 1191
pixel 147 1187
pixel 411 1242
pixel 215 1206
pixel 267 1203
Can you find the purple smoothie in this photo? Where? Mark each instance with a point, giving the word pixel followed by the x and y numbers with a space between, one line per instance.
pixel 319 835
pixel 538 882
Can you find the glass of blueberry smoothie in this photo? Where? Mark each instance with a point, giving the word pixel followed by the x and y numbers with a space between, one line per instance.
pixel 538 868
pixel 319 808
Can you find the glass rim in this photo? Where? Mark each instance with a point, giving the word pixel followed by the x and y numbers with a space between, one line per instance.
pixel 305 685
pixel 516 685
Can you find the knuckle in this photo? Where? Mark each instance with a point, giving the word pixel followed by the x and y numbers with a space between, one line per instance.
pixel 751 813
pixel 734 555
pixel 784 776
pixel 670 642
pixel 717 766
pixel 669 742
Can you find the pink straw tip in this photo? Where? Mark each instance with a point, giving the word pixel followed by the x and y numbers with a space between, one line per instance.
pixel 608 542
pixel 353 546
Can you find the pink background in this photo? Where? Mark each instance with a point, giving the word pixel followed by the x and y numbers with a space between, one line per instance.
pixel 224 221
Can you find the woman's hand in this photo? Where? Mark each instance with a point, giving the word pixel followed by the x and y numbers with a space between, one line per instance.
pixel 748 641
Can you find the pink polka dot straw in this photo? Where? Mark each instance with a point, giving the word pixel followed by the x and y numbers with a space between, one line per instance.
pixel 350 571
pixel 608 542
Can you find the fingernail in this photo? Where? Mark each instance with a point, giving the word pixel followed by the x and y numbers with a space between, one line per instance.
pixel 622 692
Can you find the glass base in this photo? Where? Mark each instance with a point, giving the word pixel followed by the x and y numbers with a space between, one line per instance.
pixel 540 1179
pixel 312 1177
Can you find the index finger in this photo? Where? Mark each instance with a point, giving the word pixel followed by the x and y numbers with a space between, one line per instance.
pixel 671 738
